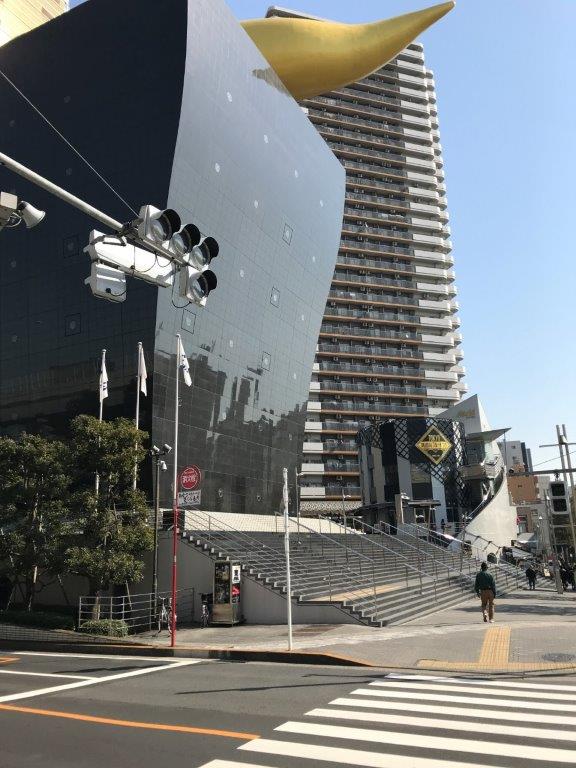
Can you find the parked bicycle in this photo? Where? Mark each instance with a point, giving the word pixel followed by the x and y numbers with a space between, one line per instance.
pixel 164 613
pixel 205 613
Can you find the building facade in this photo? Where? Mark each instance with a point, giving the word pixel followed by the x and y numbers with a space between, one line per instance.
pixel 20 16
pixel 516 455
pixel 389 345
pixel 231 152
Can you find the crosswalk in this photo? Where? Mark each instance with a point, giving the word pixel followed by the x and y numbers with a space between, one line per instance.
pixel 418 721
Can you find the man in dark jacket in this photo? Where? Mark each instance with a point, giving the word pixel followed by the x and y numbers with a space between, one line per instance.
pixel 531 576
pixel 486 590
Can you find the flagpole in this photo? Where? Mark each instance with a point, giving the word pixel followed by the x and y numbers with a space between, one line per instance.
pixel 175 498
pixel 137 417
pixel 101 411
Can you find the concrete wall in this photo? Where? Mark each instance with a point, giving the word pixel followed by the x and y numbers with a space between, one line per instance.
pixel 259 604
pixel 496 522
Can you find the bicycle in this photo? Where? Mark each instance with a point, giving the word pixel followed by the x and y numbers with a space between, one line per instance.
pixel 165 613
pixel 205 614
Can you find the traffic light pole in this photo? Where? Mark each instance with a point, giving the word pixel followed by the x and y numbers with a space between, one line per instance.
pixel 48 186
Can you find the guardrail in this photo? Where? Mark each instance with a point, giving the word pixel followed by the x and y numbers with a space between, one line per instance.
pixel 140 612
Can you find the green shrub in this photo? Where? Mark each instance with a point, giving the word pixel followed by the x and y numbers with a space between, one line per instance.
pixel 39 619
pixel 108 627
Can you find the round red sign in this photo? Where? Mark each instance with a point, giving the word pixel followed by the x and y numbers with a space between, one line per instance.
pixel 190 478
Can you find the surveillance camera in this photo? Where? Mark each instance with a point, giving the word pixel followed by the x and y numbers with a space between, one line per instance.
pixel 167 448
pixel 30 216
pixel 155 449
pixel 163 466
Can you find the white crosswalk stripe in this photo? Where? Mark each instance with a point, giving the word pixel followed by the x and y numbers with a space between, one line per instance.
pixel 414 721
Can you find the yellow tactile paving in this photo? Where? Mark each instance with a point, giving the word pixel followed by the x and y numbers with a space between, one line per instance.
pixel 494 656
pixel 496 647
pixel 358 593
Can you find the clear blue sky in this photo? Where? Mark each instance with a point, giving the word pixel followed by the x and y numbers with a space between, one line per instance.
pixel 507 111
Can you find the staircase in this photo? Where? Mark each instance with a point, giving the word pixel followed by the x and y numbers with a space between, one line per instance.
pixel 374 577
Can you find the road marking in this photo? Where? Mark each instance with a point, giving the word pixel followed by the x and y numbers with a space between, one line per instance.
pixel 479 690
pixel 55 655
pixel 45 674
pixel 498 749
pixel 482 682
pixel 128 723
pixel 518 703
pixel 455 725
pixel 425 709
pixel 96 680
pixel 347 756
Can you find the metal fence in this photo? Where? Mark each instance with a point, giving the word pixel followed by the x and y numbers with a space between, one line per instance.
pixel 139 612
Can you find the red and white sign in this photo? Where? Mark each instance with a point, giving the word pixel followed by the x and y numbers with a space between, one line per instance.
pixel 190 478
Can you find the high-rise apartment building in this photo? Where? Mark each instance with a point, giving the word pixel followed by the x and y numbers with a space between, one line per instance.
pixel 389 343
pixel 19 16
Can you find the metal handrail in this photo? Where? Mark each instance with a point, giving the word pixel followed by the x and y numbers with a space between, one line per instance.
pixel 505 574
pixel 418 549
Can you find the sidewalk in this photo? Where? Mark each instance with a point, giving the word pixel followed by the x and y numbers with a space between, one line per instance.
pixel 533 632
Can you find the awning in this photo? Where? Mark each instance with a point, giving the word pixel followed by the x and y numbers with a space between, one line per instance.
pixel 526 538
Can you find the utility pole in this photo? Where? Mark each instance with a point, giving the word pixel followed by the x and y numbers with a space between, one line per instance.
pixel 552 539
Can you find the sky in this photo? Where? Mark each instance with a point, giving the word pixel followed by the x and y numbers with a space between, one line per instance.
pixel 507 113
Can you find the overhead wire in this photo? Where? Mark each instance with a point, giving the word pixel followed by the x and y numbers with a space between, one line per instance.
pixel 68 143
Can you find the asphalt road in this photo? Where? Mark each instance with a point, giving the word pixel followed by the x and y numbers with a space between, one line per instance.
pixel 58 711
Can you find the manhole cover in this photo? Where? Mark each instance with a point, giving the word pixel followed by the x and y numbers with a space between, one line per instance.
pixel 558 657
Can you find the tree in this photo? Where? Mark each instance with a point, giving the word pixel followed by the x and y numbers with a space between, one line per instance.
pixel 34 485
pixel 112 528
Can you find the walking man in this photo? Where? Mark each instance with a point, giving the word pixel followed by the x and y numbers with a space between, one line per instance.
pixel 531 576
pixel 486 590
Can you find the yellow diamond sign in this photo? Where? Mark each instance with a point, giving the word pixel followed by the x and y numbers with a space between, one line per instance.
pixel 434 445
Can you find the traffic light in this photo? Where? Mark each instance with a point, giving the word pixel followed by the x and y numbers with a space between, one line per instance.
pixel 153 247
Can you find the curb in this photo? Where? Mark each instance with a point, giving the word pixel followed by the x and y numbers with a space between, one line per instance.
pixel 181 652
pixel 270 656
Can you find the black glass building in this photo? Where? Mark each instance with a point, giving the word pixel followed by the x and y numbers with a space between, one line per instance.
pixel 174 106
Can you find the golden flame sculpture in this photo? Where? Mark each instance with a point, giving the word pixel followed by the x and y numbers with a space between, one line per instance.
pixel 312 57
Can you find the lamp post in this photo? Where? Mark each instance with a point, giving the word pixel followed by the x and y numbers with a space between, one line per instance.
pixel 160 466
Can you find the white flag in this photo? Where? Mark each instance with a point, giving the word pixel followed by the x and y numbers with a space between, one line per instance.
pixel 183 364
pixel 142 375
pixel 103 381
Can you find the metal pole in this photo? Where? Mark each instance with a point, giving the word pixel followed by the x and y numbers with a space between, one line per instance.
pixel 344 509
pixel 156 521
pixel 296 488
pixel 287 551
pixel 565 443
pixel 552 538
pixel 137 416
pixel 40 181
pixel 175 497
pixel 101 409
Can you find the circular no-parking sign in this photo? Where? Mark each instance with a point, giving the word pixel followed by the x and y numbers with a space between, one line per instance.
pixel 190 478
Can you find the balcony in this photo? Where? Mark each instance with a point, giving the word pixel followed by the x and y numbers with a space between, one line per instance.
pixel 374 408
pixel 323 117
pixel 370 351
pixel 383 265
pixel 355 108
pixel 344 331
pixel 374 171
pixel 363 388
pixel 373 279
pixel 397 371
pixel 399 148
pixel 366 213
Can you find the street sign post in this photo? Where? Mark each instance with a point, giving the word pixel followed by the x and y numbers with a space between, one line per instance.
pixel 189 498
pixel 190 478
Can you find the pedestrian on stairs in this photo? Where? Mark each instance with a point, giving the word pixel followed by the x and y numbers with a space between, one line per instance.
pixel 531 576
pixel 485 587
